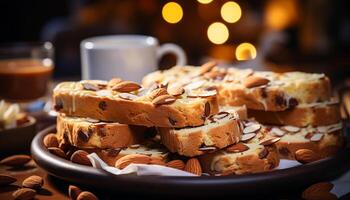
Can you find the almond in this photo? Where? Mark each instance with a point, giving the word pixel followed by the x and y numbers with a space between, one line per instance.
pixel 247 137
pixel 306 156
pixel 158 92
pixel 132 158
pixel 80 157
pixel 127 96
pixel 207 109
pixel 33 182
pixel 6 179
pixel 207 67
pixel 277 132
pixel 292 129
pixel 126 86
pixel 157 161
pixel 57 151
pixel 318 191
pixel 113 82
pixel 24 194
pixel 90 86
pixel 252 128
pixel 316 137
pixel 86 196
pixel 269 140
pixel 177 164
pixel 203 94
pixel 175 90
pixel 193 166
pixel 255 81
pixel 16 160
pixel 164 99
pixel 73 192
pixel 237 148
pixel 50 140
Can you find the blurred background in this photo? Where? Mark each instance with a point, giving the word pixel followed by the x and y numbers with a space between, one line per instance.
pixel 281 35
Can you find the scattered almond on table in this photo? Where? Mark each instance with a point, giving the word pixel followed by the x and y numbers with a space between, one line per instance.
pixel 33 182
pixel 15 160
pixel 319 191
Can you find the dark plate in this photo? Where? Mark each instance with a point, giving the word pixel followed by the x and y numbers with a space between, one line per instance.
pixel 252 184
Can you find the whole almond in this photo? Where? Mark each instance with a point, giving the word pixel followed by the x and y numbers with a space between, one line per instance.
pixel 73 192
pixel 255 81
pixel 132 158
pixel 177 164
pixel 158 92
pixel 157 161
pixel 50 140
pixel 193 166
pixel 237 148
pixel 306 156
pixel 175 90
pixel 16 160
pixel 206 67
pixel 163 99
pixel 58 152
pixel 318 190
pixel 80 157
pixel 126 86
pixel 34 182
pixel 6 179
pixel 86 196
pixel 24 194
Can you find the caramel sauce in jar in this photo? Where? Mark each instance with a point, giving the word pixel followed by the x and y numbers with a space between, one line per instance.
pixel 24 79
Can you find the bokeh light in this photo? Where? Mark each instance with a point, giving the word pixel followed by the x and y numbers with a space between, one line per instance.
pixel 245 51
pixel 204 1
pixel 231 12
pixel 172 12
pixel 218 33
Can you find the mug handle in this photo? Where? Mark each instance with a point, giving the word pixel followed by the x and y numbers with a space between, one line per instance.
pixel 181 59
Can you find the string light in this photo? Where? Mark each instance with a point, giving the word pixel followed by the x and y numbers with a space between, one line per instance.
pixel 204 1
pixel 245 51
pixel 231 12
pixel 218 33
pixel 172 12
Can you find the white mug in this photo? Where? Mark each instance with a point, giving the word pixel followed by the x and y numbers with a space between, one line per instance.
pixel 129 57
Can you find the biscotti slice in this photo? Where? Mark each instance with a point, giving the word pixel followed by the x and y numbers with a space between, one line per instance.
pixel 256 89
pixel 324 141
pixel 125 102
pixel 255 153
pixel 219 131
pixel 92 133
pixel 315 114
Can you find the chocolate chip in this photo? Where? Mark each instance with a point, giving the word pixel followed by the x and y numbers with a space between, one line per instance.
pixel 293 102
pixel 172 122
pixel 102 105
pixel 263 92
pixel 82 136
pixel 284 151
pixel 58 105
pixel 206 109
pixel 263 153
pixel 280 101
pixel 112 152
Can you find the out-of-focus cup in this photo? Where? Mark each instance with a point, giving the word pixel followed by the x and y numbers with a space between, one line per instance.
pixel 126 56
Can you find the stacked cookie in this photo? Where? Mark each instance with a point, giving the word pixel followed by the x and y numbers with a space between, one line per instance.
pixel 295 107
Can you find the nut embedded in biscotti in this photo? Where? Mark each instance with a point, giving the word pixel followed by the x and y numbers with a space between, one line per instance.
pixel 203 94
pixel 58 152
pixel 50 140
pixel 127 96
pixel 158 92
pixel 177 164
pixel 193 166
pixel 255 81
pixel 306 156
pixel 102 105
pixel 126 86
pixel 90 86
pixel 247 137
pixel 24 194
pixel 237 148
pixel 132 158
pixel 206 67
pixel 15 160
pixel 269 140
pixel 80 157
pixel 252 128
pixel 292 129
pixel 6 179
pixel 175 90
pixel 207 109
pixel 33 182
pixel 316 137
pixel 73 192
pixel 163 99
pixel 113 82
pixel 195 85
pixel 319 191
pixel 86 196
pixel 207 148
pixel 277 132
pixel 83 136
pixel 263 153
pixel 219 116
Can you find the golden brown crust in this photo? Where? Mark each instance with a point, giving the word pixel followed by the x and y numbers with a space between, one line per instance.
pixel 300 116
pixel 82 133
pixel 200 140
pixel 183 112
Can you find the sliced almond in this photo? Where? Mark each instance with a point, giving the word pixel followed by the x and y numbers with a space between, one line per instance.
pixel 126 86
pixel 207 148
pixel 104 93
pixel 322 129
pixel 132 158
pixel 158 92
pixel 90 86
pixel 195 85
pixel 127 96
pixel 193 166
pixel 219 116
pixel 255 81
pixel 306 156
pixel 207 109
pixel 252 128
pixel 164 99
pixel 316 137
pixel 247 137
pixel 237 148
pixel 207 67
pixel 269 140
pixel 292 129
pixel 175 90
pixel 177 164
pixel 113 82
pixel 204 93
pixel 277 132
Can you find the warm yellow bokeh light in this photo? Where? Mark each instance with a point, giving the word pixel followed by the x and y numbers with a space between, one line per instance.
pixel 231 12
pixel 204 1
pixel 172 12
pixel 245 51
pixel 281 14
pixel 218 33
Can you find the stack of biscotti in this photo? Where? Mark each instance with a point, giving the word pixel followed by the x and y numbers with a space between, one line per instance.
pixel 296 105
